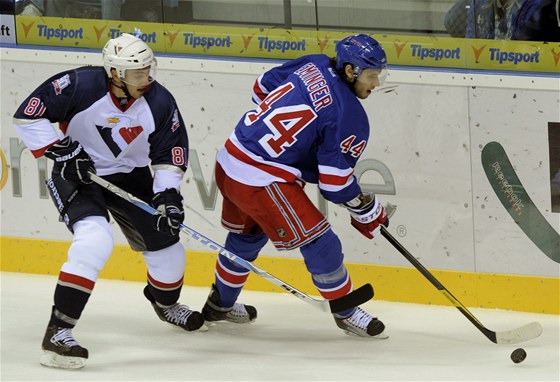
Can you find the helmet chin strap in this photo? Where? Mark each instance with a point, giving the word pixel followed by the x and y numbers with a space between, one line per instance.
pixel 353 86
pixel 122 87
pixel 350 81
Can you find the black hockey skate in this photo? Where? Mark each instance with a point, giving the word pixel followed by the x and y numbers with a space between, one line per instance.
pixel 176 314
pixel 238 313
pixel 361 324
pixel 61 350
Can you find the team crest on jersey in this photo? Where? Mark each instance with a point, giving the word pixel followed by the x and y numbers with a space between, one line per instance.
pixel 61 83
pixel 175 121
pixel 119 135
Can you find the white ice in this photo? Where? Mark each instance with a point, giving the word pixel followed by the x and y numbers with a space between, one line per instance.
pixel 290 341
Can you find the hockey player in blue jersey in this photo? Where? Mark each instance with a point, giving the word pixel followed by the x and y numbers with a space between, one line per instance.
pixel 118 121
pixel 309 126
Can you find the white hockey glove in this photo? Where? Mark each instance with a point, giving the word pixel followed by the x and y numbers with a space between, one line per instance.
pixel 71 161
pixel 367 214
pixel 171 214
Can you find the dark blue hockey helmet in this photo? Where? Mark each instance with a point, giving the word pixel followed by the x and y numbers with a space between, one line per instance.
pixel 362 52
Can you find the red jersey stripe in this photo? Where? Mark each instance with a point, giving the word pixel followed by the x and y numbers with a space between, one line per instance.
pixel 274 171
pixel 258 91
pixel 334 179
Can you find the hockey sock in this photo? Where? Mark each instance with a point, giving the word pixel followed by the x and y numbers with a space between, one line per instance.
pixel 334 285
pixel 230 278
pixel 164 296
pixel 70 298
pixel 166 269
pixel 323 259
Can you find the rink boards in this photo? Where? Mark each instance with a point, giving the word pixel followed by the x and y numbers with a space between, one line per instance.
pixel 423 157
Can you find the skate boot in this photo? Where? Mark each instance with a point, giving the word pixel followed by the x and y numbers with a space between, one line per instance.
pixel 238 313
pixel 176 314
pixel 361 324
pixel 60 349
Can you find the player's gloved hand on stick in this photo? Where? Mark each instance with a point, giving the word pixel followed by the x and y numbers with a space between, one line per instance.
pixel 72 161
pixel 367 214
pixel 169 203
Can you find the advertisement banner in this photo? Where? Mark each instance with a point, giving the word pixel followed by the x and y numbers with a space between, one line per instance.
pixel 477 54
pixel 8 30
pixel 80 33
pixel 278 43
pixel 513 55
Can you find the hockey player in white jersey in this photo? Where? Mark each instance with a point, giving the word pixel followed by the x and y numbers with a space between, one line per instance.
pixel 116 121
pixel 309 126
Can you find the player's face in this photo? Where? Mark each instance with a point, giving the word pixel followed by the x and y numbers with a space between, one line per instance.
pixel 137 81
pixel 368 80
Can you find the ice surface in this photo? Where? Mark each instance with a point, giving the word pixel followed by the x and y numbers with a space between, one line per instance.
pixel 290 341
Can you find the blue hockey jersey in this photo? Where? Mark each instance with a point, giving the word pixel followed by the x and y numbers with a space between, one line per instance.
pixel 309 126
pixel 148 130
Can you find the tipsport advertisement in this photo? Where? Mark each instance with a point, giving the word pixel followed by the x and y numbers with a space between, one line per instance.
pixel 275 43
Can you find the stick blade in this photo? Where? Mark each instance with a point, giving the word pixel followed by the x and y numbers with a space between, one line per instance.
pixel 352 299
pixel 517 202
pixel 522 334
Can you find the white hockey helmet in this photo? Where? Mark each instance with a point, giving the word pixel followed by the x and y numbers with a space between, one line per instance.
pixel 127 52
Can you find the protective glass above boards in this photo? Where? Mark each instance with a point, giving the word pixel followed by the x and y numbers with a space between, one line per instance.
pixel 425 33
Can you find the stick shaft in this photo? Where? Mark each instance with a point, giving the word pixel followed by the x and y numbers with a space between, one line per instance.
pixel 357 297
pixel 435 282
pixel 524 333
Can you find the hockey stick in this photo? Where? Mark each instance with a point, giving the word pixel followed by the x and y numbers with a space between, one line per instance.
pixel 351 300
pixel 514 336
pixel 516 200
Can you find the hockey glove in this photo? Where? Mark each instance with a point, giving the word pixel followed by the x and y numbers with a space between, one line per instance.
pixel 368 215
pixel 71 160
pixel 169 204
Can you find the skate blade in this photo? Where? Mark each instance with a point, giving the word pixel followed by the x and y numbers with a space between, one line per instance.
pixel 51 359
pixel 228 322
pixel 203 328
pixel 380 336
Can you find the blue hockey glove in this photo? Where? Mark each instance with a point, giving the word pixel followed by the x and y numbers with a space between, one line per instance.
pixel 71 161
pixel 367 215
pixel 169 204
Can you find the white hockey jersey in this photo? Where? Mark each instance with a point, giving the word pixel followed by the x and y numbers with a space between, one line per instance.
pixel 148 130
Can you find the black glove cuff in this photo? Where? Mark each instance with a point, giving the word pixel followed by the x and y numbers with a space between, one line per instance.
pixel 64 150
pixel 167 196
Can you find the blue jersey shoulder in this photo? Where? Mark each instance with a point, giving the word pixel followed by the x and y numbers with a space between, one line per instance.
pixel 67 93
pixel 161 101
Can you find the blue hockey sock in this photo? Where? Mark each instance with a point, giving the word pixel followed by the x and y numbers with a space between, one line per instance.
pixel 230 277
